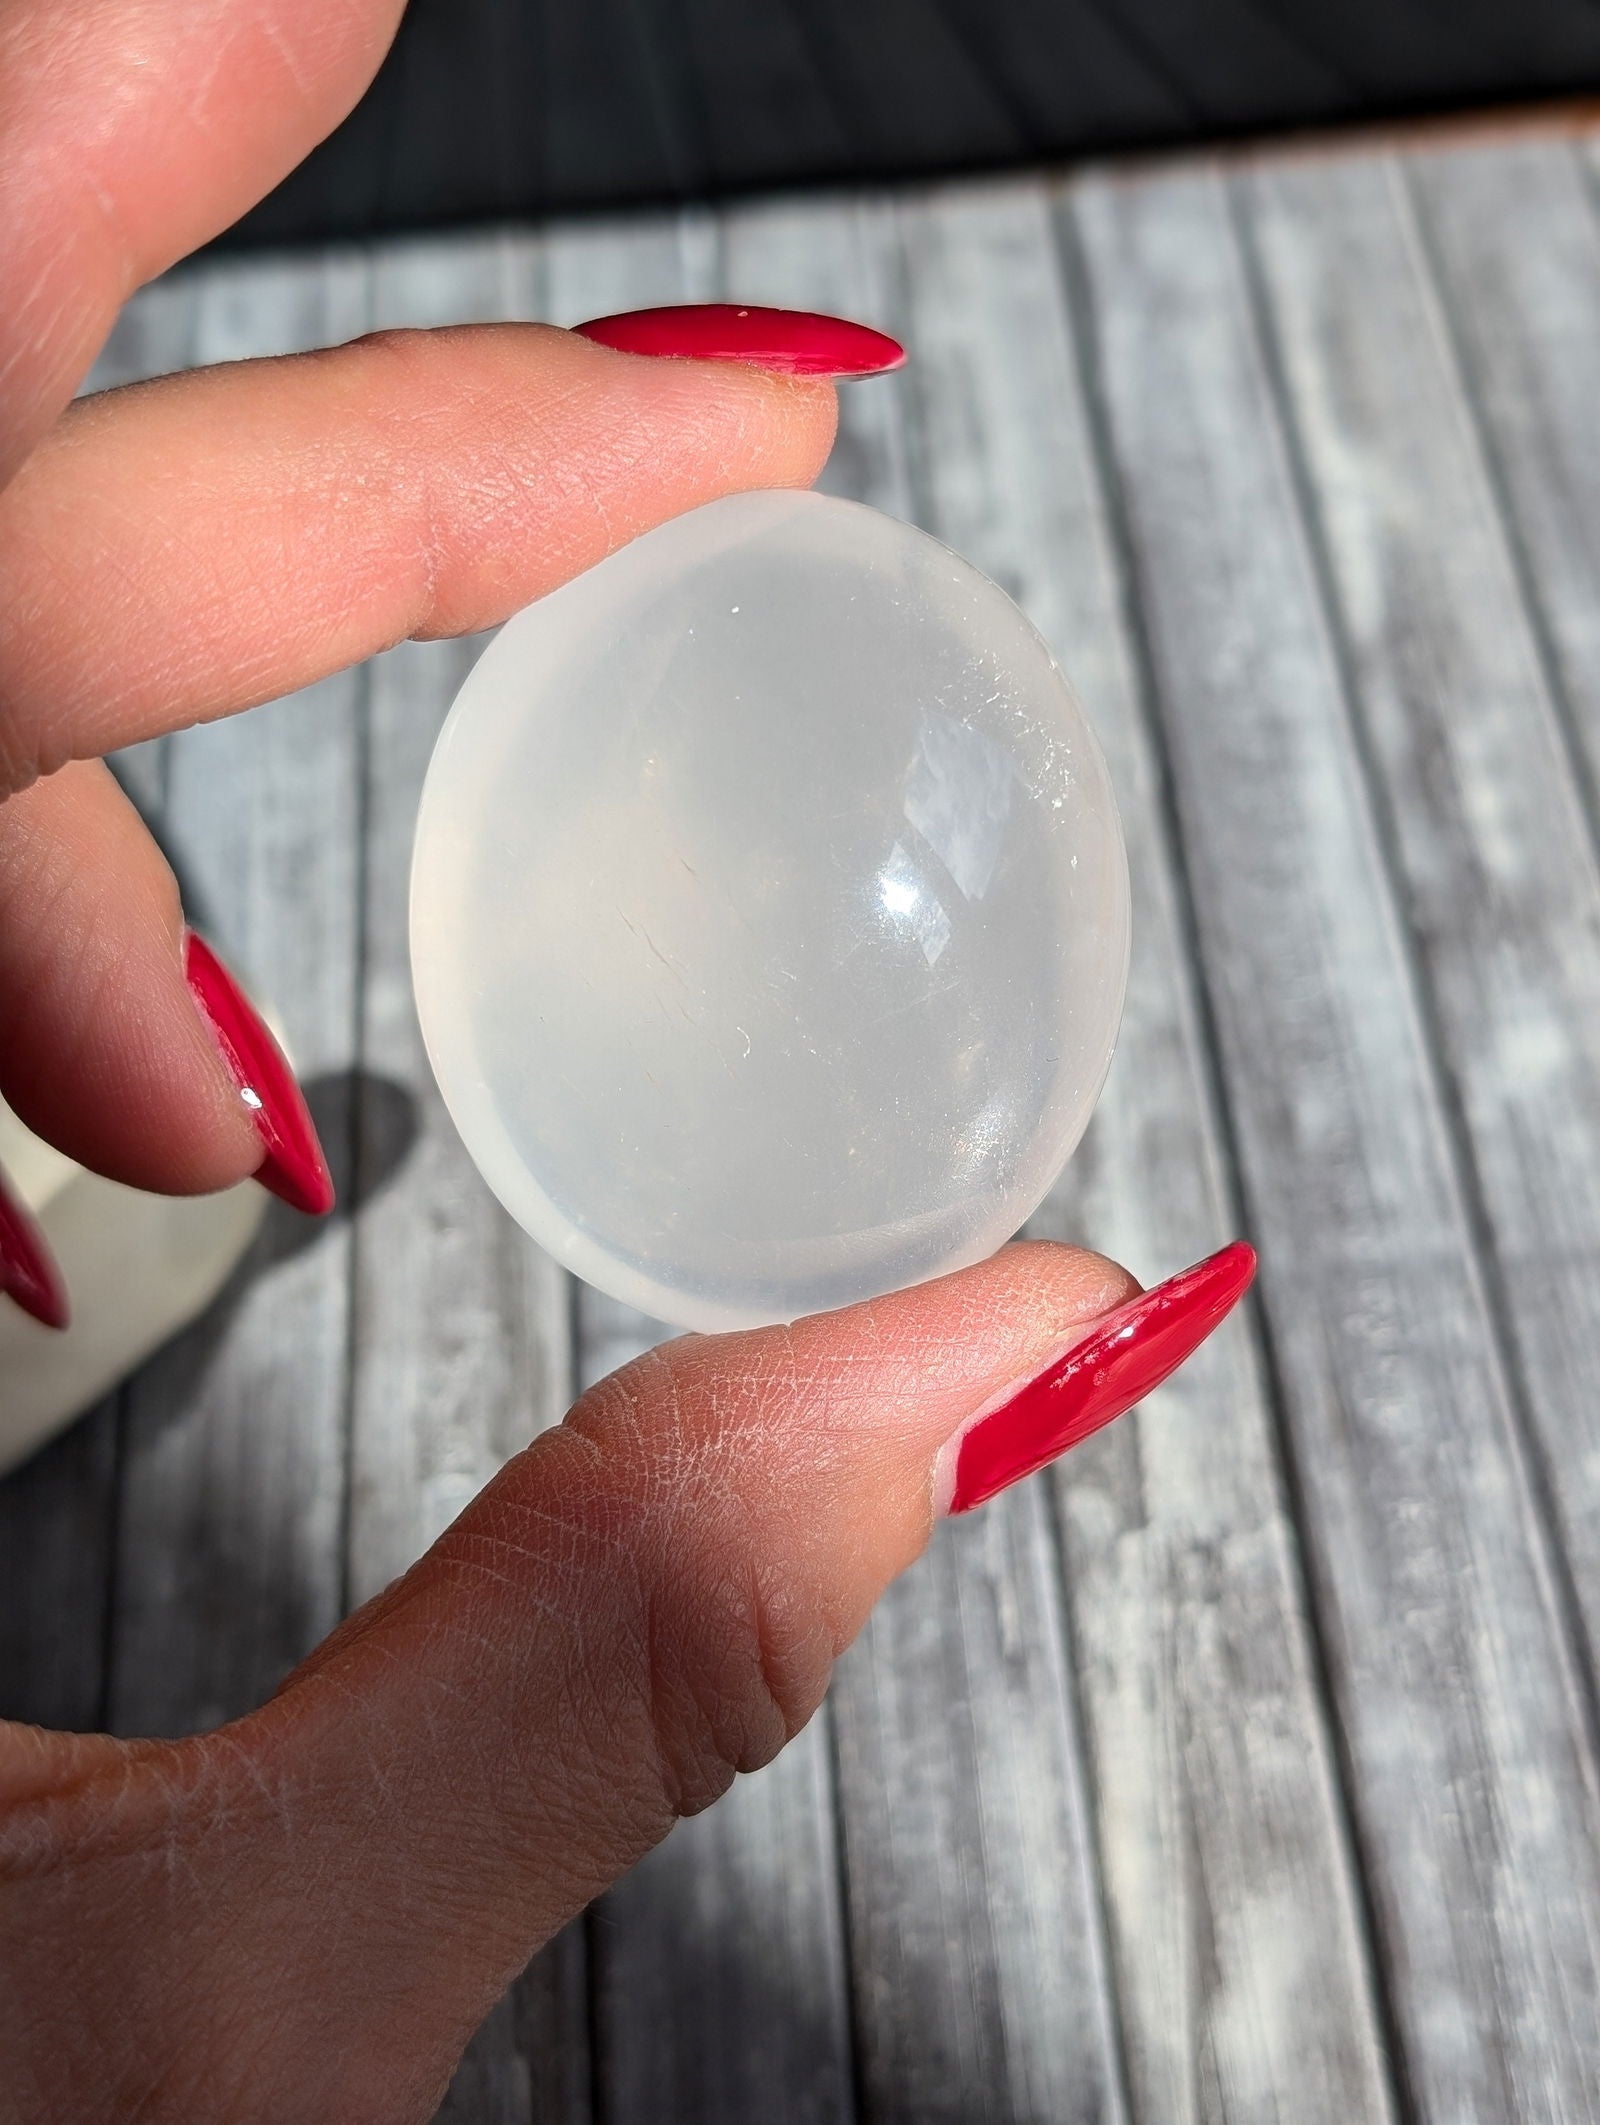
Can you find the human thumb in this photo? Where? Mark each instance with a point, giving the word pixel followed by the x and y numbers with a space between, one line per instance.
pixel 645 1602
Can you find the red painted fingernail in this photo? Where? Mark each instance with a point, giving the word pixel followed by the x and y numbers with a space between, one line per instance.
pixel 294 1167
pixel 1118 1362
pixel 28 1269
pixel 795 342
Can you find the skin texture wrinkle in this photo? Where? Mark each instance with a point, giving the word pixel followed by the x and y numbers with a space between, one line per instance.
pixel 305 1913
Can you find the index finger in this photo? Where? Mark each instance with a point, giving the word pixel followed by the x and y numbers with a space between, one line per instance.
pixel 132 130
pixel 181 549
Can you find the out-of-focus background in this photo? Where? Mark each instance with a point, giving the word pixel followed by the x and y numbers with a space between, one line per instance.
pixel 504 108
pixel 1247 1766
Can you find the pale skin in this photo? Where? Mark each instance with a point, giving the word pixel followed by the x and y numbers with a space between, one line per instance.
pixel 306 1913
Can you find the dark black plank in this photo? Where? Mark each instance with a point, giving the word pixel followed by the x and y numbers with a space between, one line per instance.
pixel 613 116
pixel 497 107
pixel 768 112
pixel 915 94
pixel 1075 70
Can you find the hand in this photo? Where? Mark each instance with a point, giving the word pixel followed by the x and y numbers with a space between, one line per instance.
pixel 305 1914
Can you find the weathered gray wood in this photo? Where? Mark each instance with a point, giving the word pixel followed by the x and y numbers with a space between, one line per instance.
pixel 1476 782
pixel 1242 1982
pixel 1091 1843
pixel 979 1973
pixel 1454 1685
pixel 720 1989
pixel 461 1335
pixel 1516 243
pixel 719 1962
pixel 1514 235
pixel 230 1546
pixel 461 1349
pixel 58 1512
pixel 720 1986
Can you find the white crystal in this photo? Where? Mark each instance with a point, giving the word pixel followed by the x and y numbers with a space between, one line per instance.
pixel 769 914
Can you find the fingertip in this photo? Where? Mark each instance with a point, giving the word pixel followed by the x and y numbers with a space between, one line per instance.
pixel 787 342
pixel 292 1166
pixel 102 1050
pixel 29 1272
pixel 749 423
pixel 1072 1283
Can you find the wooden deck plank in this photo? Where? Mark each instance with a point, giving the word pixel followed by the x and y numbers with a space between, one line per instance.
pixel 1070 1841
pixel 1242 1980
pixel 534 107
pixel 602 124
pixel 1053 56
pixel 1514 238
pixel 1222 60
pixel 1475 778
pixel 461 1347
pixel 719 1961
pixel 720 1988
pixel 769 112
pixel 57 1520
pixel 58 1511
pixel 1513 233
pixel 461 1325
pixel 230 1548
pixel 1454 1687
pixel 902 74
pixel 979 1973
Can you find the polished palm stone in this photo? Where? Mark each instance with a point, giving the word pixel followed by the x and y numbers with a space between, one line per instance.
pixel 769 914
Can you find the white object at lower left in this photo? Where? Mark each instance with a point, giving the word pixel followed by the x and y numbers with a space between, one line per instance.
pixel 137 1267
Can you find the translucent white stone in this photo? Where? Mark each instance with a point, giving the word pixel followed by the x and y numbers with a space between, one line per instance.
pixel 769 914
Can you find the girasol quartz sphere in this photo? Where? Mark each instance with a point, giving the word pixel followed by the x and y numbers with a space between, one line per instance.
pixel 769 915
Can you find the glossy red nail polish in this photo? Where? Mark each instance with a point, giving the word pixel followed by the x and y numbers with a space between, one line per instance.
pixel 1117 1364
pixel 794 342
pixel 28 1271
pixel 294 1167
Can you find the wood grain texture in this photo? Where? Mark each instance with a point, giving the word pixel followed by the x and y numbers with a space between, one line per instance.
pixel 58 1512
pixel 57 1517
pixel 979 1973
pixel 461 1345
pixel 1455 1689
pixel 1242 1770
pixel 767 109
pixel 608 118
pixel 230 1556
pixel 719 1962
pixel 906 77
pixel 461 1349
pixel 493 107
pixel 1525 311
pixel 1473 770
pixel 1242 1983
pixel 1041 60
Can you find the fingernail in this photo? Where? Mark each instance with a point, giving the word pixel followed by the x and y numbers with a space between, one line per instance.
pixel 1121 1359
pixel 794 342
pixel 28 1271
pixel 294 1167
